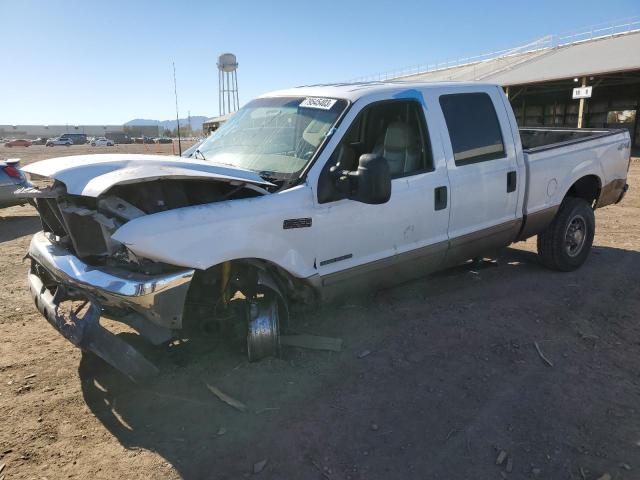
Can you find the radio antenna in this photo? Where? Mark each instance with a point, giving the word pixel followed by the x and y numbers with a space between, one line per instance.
pixel 175 91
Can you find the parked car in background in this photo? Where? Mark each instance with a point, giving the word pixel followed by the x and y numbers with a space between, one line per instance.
pixel 76 138
pixel 11 179
pixel 163 140
pixel 101 142
pixel 52 142
pixel 118 137
pixel 18 142
pixel 143 140
pixel 39 141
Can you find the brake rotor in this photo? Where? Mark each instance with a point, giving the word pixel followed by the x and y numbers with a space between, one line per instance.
pixel 263 336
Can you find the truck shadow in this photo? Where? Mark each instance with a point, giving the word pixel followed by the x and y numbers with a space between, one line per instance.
pixel 296 405
pixel 12 227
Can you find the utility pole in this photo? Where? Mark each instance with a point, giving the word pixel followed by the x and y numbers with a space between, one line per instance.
pixel 175 91
pixel 581 104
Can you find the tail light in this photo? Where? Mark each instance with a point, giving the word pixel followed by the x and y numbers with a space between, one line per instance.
pixel 12 171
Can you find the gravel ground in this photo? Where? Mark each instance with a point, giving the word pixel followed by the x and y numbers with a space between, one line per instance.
pixel 436 378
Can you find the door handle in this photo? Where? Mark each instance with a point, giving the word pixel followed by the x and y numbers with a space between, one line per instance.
pixel 440 198
pixel 511 181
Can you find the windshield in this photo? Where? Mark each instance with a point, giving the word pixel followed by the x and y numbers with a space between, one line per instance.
pixel 274 135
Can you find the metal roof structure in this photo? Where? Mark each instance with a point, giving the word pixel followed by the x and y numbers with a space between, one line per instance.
pixel 598 50
pixel 218 119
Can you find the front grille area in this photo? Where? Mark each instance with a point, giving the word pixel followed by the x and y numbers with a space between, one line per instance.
pixel 51 216
pixel 74 225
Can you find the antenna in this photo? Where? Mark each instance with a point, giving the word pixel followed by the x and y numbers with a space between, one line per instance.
pixel 175 91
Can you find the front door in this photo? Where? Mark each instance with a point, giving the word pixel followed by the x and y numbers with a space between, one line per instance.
pixel 376 245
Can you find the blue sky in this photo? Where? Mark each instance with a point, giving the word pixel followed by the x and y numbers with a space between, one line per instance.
pixel 89 62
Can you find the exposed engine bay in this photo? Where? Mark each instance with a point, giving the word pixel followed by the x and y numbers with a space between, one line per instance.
pixel 85 225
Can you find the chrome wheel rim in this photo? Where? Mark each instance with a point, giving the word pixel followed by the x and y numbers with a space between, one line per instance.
pixel 575 236
pixel 263 337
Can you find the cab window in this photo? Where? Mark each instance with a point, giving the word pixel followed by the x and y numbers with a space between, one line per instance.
pixel 473 127
pixel 393 129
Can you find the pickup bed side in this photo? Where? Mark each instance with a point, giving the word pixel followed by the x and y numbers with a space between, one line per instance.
pixel 592 166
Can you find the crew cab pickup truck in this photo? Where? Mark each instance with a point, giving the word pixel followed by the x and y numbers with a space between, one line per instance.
pixel 305 195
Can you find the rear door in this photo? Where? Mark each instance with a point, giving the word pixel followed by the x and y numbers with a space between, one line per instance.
pixel 481 159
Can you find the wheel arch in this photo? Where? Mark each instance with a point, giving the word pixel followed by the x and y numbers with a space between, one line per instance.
pixel 587 187
pixel 249 272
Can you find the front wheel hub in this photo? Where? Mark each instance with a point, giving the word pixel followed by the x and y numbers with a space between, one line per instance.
pixel 263 336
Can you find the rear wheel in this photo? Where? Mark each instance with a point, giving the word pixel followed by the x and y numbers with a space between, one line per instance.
pixel 566 242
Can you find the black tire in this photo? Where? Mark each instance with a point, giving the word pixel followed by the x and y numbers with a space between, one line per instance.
pixel 566 243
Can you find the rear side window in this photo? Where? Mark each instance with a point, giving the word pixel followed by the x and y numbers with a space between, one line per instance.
pixel 473 127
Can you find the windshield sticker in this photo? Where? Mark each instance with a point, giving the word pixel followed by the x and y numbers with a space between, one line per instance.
pixel 318 102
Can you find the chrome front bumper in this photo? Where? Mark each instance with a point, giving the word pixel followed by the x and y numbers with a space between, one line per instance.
pixel 156 303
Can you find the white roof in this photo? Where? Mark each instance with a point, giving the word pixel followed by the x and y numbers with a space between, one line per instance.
pixel 354 91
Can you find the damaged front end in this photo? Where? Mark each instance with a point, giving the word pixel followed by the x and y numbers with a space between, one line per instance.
pixel 79 272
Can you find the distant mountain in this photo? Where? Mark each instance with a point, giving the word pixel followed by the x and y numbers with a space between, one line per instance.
pixel 196 122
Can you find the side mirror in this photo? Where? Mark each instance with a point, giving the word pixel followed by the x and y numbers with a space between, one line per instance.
pixel 371 181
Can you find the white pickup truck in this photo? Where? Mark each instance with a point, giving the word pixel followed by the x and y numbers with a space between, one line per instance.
pixel 304 195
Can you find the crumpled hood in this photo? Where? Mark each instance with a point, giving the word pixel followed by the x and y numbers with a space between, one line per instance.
pixel 92 175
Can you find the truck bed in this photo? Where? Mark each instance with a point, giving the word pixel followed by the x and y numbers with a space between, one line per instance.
pixel 535 139
pixel 555 157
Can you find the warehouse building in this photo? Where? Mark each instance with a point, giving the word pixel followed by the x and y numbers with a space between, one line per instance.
pixel 212 124
pixel 48 131
pixel 589 79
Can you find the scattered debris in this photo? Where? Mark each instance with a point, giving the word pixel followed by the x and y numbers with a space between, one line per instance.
pixel 582 474
pixel 501 457
pixel 267 409
pixel 31 375
pixel 546 360
pixel 313 342
pixel 586 336
pixel 374 427
pixel 450 434
pixel 605 476
pixel 259 466
pixel 221 431
pixel 364 353
pixel 625 466
pixel 323 472
pixel 2 467
pixel 536 471
pixel 509 467
pixel 24 388
pixel 232 402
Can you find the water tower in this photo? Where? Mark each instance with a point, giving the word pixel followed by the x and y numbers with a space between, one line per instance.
pixel 228 83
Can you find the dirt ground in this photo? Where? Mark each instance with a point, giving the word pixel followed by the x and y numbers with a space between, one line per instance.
pixel 436 377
